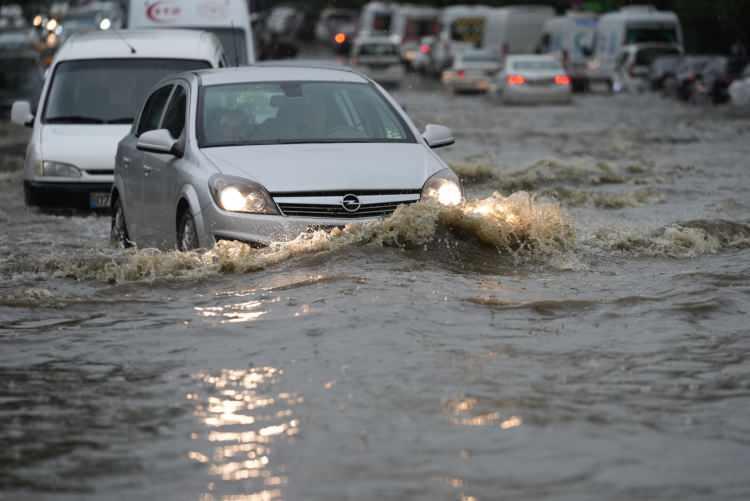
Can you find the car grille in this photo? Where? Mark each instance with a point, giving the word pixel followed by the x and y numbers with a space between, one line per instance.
pixel 337 211
pixel 360 204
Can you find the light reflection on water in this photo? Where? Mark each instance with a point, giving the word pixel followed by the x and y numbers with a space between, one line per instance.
pixel 243 419
pixel 464 412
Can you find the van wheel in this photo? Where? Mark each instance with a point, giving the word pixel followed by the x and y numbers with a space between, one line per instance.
pixel 187 232
pixel 118 234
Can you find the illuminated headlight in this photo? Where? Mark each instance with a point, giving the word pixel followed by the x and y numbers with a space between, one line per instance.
pixel 443 188
pixel 240 195
pixel 57 169
pixel 105 24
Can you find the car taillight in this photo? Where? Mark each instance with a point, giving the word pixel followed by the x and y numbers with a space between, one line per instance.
pixel 424 48
pixel 516 80
pixel 562 80
pixel 460 73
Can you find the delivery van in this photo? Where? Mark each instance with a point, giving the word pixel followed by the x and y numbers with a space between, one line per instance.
pixel 516 30
pixel 229 20
pixel 570 39
pixel 638 24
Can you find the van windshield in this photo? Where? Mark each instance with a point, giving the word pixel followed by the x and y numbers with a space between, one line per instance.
pixel 260 113
pixel 651 33
pixel 234 42
pixel 94 91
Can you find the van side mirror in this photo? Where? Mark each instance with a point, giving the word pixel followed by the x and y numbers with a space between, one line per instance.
pixel 438 136
pixel 157 141
pixel 21 114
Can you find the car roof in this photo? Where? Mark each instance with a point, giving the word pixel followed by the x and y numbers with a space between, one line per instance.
pixel 148 43
pixel 278 73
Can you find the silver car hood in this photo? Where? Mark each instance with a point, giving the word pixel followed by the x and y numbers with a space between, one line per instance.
pixel 329 167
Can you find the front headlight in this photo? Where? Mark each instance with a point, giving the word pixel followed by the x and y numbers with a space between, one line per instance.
pixel 444 188
pixel 235 194
pixel 57 169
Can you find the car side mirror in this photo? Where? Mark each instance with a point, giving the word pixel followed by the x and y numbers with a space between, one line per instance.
pixel 21 114
pixel 157 141
pixel 438 136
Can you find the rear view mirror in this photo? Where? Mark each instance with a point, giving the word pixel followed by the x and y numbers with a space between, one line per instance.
pixel 21 114
pixel 157 141
pixel 438 136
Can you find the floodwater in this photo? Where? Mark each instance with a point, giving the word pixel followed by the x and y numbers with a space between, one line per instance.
pixel 514 349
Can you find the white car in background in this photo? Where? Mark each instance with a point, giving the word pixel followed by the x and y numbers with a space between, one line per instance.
pixel 265 153
pixel 633 66
pixel 96 83
pixel 379 59
pixel 472 71
pixel 532 79
pixel 739 91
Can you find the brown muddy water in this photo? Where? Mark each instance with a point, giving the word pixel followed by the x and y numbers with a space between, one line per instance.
pixel 513 349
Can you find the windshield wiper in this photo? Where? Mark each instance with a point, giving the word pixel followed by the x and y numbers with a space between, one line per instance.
pixel 123 120
pixel 74 119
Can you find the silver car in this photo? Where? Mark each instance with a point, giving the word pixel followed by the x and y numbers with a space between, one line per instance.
pixel 265 153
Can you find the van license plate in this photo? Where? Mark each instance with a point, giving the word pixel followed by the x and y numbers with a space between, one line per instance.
pixel 99 200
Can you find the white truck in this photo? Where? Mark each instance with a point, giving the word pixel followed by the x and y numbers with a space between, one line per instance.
pixel 376 19
pixel 637 24
pixel 229 20
pixel 461 27
pixel 410 24
pixel 570 39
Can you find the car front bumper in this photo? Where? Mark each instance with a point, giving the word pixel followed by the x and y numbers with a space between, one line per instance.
pixel 266 229
pixel 527 94
pixel 69 195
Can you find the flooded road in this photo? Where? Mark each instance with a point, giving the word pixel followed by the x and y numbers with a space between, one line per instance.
pixel 515 349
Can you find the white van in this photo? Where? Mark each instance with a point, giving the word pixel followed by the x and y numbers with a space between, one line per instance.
pixel 229 20
pixel 410 24
pixel 627 26
pixel 570 39
pixel 96 85
pixel 516 30
pixel 376 19
pixel 461 27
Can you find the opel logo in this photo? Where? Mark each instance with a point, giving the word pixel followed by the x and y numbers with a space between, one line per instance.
pixel 350 203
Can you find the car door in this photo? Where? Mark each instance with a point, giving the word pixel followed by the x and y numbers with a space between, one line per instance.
pixel 131 161
pixel 159 173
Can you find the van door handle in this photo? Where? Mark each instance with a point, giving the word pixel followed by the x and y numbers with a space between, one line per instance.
pixel 147 170
pixel 126 162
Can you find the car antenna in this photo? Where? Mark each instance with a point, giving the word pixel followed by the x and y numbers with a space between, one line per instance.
pixel 119 35
pixel 234 42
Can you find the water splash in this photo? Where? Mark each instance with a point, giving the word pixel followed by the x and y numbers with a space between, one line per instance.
pixel 520 225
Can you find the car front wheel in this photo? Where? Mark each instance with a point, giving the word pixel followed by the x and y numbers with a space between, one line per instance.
pixel 118 234
pixel 187 233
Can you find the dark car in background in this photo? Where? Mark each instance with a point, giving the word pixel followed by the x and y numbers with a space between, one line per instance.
pixel 662 68
pixel 21 79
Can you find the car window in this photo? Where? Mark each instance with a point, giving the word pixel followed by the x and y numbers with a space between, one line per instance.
pixel 91 91
pixel 174 117
pixel 297 112
pixel 538 65
pixel 153 110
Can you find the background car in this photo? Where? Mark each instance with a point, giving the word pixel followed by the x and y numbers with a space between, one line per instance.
pixel 681 84
pixel 662 68
pixel 21 79
pixel 378 58
pixel 740 90
pixel 533 79
pixel 96 84
pixel 265 153
pixel 472 71
pixel 634 64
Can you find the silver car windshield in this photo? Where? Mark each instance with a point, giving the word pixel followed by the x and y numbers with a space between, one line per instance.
pixel 96 91
pixel 297 112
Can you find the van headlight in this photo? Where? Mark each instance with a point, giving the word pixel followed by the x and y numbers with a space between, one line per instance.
pixel 57 169
pixel 240 195
pixel 444 188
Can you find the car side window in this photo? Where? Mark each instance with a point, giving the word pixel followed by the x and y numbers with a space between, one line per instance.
pixel 174 117
pixel 153 110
